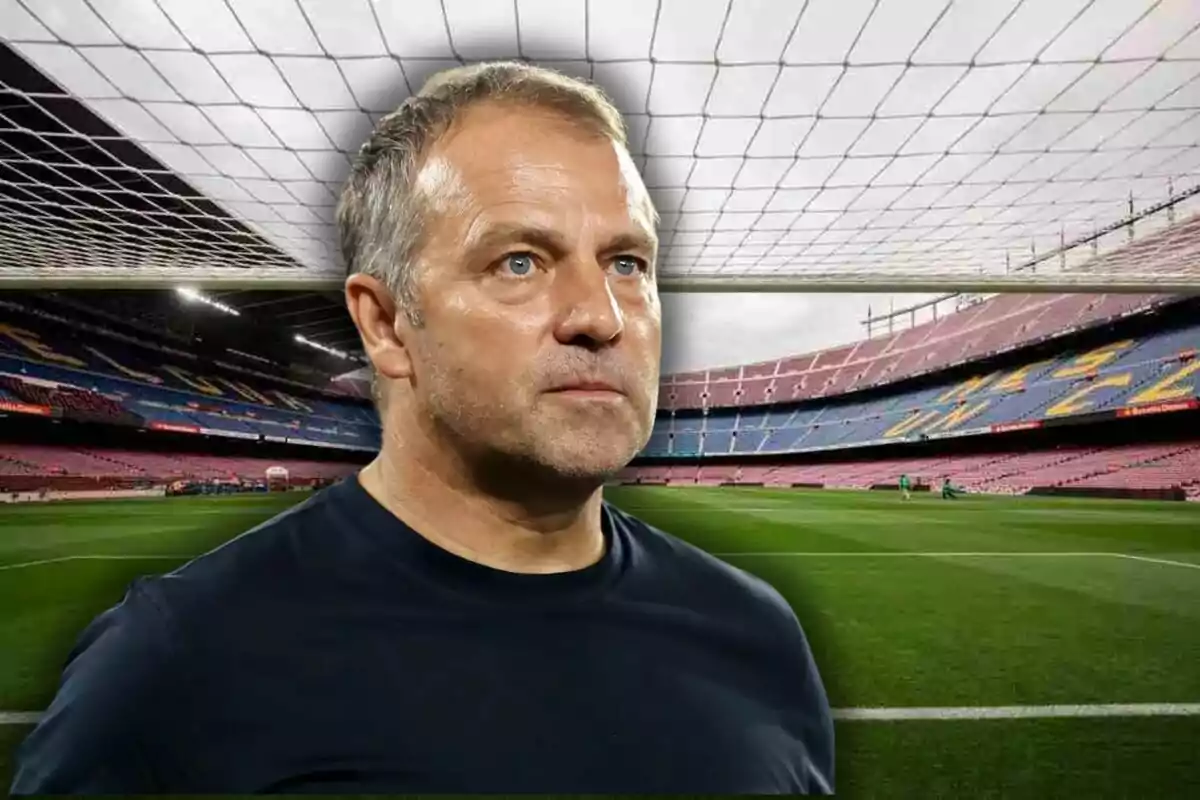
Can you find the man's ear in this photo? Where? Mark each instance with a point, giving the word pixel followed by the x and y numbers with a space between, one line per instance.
pixel 382 327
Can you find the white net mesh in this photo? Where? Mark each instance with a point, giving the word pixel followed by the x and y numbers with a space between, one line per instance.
pixel 898 143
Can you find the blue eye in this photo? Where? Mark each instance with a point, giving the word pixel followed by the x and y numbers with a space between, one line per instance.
pixel 627 265
pixel 519 263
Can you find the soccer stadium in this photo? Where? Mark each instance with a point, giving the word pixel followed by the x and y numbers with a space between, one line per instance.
pixel 1021 619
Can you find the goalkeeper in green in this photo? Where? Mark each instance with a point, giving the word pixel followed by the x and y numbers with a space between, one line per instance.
pixel 905 487
pixel 949 491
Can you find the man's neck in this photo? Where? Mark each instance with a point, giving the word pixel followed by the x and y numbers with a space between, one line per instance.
pixel 449 510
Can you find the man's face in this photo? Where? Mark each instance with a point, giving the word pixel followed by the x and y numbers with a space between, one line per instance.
pixel 541 334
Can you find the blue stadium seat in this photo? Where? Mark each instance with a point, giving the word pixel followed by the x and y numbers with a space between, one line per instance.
pixel 749 440
pixel 686 444
pixel 834 422
pixel 722 422
pixel 718 442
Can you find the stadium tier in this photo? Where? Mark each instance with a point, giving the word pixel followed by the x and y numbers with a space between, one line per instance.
pixel 1001 323
pixel 1135 467
pixel 108 463
pixel 50 366
pixel 27 467
pixel 1125 377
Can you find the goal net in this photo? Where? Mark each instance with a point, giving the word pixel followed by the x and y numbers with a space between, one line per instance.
pixel 920 144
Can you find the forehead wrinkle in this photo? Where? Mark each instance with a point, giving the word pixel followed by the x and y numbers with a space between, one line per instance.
pixel 638 202
pixel 478 190
pixel 532 228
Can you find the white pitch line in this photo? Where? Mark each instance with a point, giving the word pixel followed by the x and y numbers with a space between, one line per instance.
pixel 912 554
pixel 749 554
pixel 1018 712
pixel 36 563
pixel 917 713
pixel 1159 561
pixel 60 559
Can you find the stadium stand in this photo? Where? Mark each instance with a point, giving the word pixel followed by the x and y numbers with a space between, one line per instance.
pixel 885 392
pixel 1121 374
pixel 26 467
pixel 1133 467
pixel 999 324
pixel 59 364
pixel 876 392
pixel 55 368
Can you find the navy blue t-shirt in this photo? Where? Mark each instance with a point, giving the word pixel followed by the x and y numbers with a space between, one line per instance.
pixel 334 649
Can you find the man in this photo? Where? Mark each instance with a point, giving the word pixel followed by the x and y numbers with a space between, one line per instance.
pixel 905 487
pixel 466 614
pixel 949 490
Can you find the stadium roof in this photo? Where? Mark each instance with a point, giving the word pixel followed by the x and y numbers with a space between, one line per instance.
pixel 266 326
pixel 905 144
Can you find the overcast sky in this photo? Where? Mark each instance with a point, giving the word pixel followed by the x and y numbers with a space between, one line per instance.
pixel 702 331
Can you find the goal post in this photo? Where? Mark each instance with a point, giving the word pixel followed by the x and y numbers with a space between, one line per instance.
pixel 278 479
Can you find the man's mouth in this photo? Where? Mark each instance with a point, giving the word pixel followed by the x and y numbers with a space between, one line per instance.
pixel 587 387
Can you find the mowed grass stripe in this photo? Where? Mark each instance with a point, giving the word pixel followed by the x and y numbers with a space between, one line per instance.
pixel 950 630
pixel 170 525
pixel 802 520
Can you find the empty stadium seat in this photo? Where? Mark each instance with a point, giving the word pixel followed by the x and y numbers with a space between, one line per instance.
pixel 1111 376
pixel 998 324
pixel 1130 467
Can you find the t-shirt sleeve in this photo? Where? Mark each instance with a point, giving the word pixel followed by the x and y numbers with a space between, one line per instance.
pixel 97 735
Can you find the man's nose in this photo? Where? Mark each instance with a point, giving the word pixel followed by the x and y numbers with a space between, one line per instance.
pixel 588 310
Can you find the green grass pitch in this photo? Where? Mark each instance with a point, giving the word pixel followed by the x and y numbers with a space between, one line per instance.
pixel 976 603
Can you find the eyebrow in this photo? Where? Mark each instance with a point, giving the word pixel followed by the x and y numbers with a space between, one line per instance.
pixel 551 241
pixel 637 241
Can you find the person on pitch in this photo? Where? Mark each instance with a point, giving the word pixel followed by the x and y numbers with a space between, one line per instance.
pixel 467 614
pixel 949 490
pixel 906 487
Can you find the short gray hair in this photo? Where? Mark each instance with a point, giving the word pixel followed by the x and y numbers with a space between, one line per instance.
pixel 381 214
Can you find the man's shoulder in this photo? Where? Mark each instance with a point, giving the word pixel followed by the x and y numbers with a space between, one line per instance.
pixel 680 574
pixel 268 540
pixel 164 650
pixel 276 559
pixel 120 678
pixel 700 576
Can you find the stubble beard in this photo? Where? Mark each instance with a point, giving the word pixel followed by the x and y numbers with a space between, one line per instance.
pixel 530 439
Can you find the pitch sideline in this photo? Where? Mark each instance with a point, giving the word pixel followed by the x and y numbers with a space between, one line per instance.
pixel 61 559
pixel 956 554
pixel 917 713
pixel 748 554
